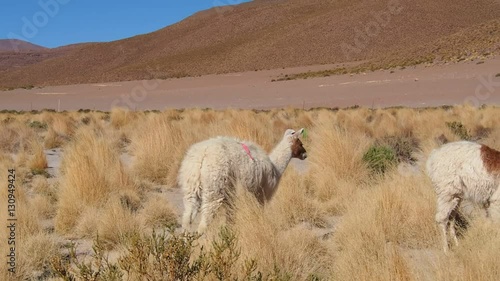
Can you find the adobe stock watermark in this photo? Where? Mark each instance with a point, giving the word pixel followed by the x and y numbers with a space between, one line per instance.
pixel 138 93
pixel 32 25
pixel 365 34
pixel 487 86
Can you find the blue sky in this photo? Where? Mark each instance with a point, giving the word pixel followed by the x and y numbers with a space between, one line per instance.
pixel 53 23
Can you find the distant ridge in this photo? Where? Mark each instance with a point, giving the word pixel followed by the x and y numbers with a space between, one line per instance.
pixel 15 45
pixel 276 34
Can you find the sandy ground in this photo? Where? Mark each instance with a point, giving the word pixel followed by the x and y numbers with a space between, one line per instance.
pixel 420 86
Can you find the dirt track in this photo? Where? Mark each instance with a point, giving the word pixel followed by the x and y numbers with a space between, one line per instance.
pixel 416 87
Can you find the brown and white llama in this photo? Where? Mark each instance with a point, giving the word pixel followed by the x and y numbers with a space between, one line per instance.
pixel 464 171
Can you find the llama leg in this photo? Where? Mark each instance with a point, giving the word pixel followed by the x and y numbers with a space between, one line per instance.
pixel 209 208
pixel 191 206
pixel 453 227
pixel 444 208
pixel 216 185
pixel 493 210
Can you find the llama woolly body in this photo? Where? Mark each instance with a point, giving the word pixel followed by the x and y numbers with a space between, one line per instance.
pixel 463 170
pixel 211 168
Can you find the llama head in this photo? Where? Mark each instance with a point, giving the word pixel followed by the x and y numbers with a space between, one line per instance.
pixel 298 150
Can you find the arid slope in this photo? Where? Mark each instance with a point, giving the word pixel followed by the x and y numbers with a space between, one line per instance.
pixel 272 34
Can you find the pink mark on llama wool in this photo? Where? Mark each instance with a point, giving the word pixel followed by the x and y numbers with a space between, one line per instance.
pixel 247 150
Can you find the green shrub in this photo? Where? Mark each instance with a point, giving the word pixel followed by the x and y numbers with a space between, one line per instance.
pixel 163 257
pixel 38 125
pixel 41 172
pixel 459 130
pixel 380 158
pixel 167 256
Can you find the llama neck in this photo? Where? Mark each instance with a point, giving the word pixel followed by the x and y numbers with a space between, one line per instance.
pixel 281 155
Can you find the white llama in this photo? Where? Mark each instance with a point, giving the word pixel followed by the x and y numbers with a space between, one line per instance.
pixel 211 168
pixel 463 170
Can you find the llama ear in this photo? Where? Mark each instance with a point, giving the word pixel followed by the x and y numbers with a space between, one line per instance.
pixel 289 132
pixel 298 133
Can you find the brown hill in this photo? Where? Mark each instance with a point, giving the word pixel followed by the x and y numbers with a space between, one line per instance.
pixel 273 34
pixel 11 60
pixel 14 45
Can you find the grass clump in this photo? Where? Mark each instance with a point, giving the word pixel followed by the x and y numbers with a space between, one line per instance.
pixel 312 74
pixel 403 147
pixel 93 178
pixel 40 172
pixel 158 213
pixel 459 130
pixel 475 257
pixel 38 125
pixel 380 158
pixel 38 161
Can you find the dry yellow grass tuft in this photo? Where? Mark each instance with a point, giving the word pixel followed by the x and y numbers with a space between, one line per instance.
pixel 265 235
pixel 116 223
pixel 336 165
pixel 121 117
pixel 91 171
pixel 476 257
pixel 34 247
pixel 35 254
pixel 294 202
pixel 38 161
pixel 158 146
pixel 52 139
pixel 15 136
pixel 158 213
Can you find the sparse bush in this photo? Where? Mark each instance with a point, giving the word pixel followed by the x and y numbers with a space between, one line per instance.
pixel 38 125
pixel 380 159
pixel 404 147
pixel 41 172
pixel 85 120
pixel 97 269
pixel 481 132
pixel 163 257
pixel 459 130
pixel 167 256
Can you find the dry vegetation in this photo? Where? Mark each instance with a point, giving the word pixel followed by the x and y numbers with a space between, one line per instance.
pixel 361 210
